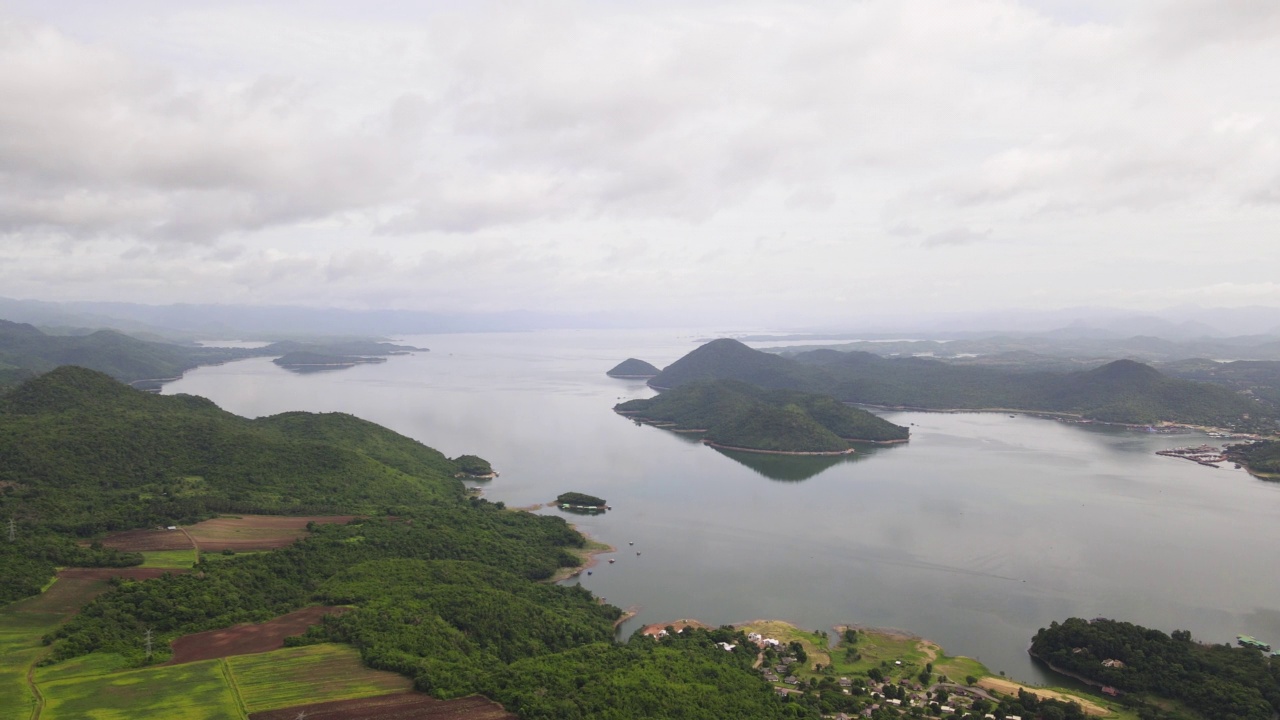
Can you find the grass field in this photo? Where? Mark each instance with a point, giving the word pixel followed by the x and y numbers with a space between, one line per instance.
pixel 177 559
pixel 815 645
pixel 195 691
pixel 310 674
pixel 22 624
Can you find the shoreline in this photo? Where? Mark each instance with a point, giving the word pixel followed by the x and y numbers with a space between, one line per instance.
pixel 589 553
pixel 816 453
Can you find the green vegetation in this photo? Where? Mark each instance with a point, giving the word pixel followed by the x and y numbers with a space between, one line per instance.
pixel 1216 681
pixel 1122 391
pixel 444 589
pixel 177 559
pixel 633 368
pixel 473 467
pixel 308 361
pixel 194 691
pixel 737 414
pixel 577 498
pixel 305 675
pixel 1263 458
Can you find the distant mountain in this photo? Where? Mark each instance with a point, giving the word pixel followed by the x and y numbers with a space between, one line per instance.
pixel 302 361
pixel 26 351
pixel 633 368
pixel 1122 391
pixel 738 415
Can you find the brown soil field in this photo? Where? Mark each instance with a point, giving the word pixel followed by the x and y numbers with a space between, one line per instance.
pixel 246 639
pixel 64 597
pixel 146 540
pixel 1008 687
pixel 255 532
pixel 400 706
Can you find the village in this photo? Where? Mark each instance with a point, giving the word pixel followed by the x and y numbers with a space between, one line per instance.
pixel 885 674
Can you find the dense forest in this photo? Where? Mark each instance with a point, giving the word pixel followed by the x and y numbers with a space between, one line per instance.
pixel 737 414
pixel 633 368
pixel 447 589
pixel 1122 391
pixel 1218 681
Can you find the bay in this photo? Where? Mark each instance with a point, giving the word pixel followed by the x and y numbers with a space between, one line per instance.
pixel 981 530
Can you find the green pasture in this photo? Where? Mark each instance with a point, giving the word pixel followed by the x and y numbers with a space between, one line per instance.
pixel 193 691
pixel 310 674
pixel 176 559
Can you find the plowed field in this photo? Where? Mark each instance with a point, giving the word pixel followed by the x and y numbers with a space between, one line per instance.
pixel 246 639
pixel 255 532
pixel 147 540
pixel 401 706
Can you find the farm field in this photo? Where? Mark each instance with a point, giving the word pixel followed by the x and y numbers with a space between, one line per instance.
pixel 256 532
pixel 146 540
pixel 169 559
pixel 313 673
pixel 400 706
pixel 22 624
pixel 195 691
pixel 248 638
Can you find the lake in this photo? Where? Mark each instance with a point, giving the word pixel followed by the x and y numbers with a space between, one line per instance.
pixel 981 530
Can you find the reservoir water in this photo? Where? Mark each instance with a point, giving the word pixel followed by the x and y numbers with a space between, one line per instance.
pixel 981 530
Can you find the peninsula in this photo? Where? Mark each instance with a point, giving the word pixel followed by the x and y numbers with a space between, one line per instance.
pixel 735 415
pixel 303 361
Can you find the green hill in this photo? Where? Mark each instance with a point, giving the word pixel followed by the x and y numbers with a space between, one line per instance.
pixel 633 368
pixel 736 414
pixel 1263 458
pixel 1122 391
pixel 82 453
pixel 304 361
pixel 443 589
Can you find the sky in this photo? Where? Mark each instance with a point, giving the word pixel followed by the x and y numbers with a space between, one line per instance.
pixel 775 162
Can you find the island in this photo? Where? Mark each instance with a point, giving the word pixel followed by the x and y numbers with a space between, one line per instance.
pixel 1122 392
pixel 473 467
pixel 632 368
pixel 305 361
pixel 581 502
pixel 738 416
pixel 1261 458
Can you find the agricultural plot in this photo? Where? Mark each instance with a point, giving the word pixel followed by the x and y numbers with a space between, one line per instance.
pixel 170 559
pixel 401 706
pixel 248 638
pixel 195 691
pixel 146 540
pixel 22 624
pixel 309 674
pixel 255 532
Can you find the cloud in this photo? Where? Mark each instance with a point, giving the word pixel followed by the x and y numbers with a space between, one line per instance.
pixel 954 237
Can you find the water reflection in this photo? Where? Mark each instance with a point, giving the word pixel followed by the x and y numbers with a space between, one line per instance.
pixel 788 468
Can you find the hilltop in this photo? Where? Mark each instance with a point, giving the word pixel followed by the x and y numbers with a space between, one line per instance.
pixel 1122 391
pixel 739 415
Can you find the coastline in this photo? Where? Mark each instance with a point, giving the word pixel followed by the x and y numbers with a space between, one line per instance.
pixel 828 453
pixel 589 553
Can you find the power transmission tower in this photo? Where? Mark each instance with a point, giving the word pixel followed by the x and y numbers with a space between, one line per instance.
pixel 148 639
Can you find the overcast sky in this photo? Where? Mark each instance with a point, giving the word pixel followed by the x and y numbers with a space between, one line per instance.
pixel 759 161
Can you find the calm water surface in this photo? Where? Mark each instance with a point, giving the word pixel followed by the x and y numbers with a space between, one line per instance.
pixel 980 531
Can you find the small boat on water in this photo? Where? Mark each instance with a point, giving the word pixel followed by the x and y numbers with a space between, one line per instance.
pixel 612 561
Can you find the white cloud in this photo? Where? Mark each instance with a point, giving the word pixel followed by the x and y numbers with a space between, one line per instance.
pixel 511 155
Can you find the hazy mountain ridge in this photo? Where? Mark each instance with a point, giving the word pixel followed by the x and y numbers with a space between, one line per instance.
pixel 1122 391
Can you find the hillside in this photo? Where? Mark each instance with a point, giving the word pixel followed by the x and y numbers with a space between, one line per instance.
pixel 1122 391
pixel 1262 458
pixel 736 414
pixel 81 453
pixel 440 587
pixel 303 361
pixel 633 368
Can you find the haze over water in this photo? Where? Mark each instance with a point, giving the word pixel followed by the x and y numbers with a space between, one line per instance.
pixel 982 529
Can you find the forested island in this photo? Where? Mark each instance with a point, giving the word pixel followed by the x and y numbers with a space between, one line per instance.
pixel 305 361
pixel 1122 391
pixel 633 368
pixel 741 416
pixel 1262 458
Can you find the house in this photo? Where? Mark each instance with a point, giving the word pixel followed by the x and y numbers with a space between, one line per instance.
pixel 1108 690
pixel 844 682
pixel 726 646
pixel 947 709
pixel 791 680
pixel 770 676
pixel 1112 663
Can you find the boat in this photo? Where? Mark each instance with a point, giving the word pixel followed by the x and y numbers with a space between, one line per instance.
pixel 1252 642
pixel 612 561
